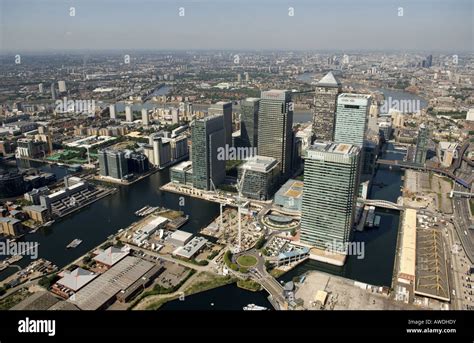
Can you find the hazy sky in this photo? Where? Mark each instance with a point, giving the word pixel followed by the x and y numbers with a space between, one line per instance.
pixel 238 24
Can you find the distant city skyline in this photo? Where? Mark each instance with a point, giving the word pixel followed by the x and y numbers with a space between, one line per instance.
pixel 367 25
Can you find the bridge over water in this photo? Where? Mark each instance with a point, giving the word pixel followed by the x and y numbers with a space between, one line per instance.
pixel 411 165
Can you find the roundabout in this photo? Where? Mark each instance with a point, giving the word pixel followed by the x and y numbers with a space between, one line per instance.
pixel 246 261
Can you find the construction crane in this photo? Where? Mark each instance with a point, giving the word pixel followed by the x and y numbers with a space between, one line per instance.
pixel 239 186
pixel 213 186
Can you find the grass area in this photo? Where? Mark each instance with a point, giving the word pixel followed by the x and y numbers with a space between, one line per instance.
pixel 249 285
pixel 208 281
pixel 471 205
pixel 246 261
pixel 228 261
pixel 276 273
pixel 172 214
pixel 156 305
pixel 13 299
pixel 157 289
pixel 213 281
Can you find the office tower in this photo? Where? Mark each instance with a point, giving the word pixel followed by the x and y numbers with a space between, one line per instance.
pixel 145 117
pixel 345 59
pixel 325 100
pixel 40 88
pixel 275 122
pixel 239 78
pixel 247 77
pixel 261 177
pixel 104 169
pixel 224 108
pixel 162 154
pixel 113 163
pixel 128 114
pixel 207 136
pixel 249 122
pixel 174 116
pixel 137 163
pixel 62 86
pixel 421 145
pixel 112 111
pixel 385 130
pixel 429 61
pixel 53 92
pixel 330 189
pixel 352 118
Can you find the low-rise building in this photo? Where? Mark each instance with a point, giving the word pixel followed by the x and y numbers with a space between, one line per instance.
pixel 179 238
pixel 261 177
pixel 110 256
pixel 10 226
pixel 446 153
pixel 38 213
pixel 72 281
pixel 182 173
pixel 289 195
pixel 191 248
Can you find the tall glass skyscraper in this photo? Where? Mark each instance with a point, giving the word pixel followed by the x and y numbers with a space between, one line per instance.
pixel 421 145
pixel 207 136
pixel 275 122
pixel 224 108
pixel 112 163
pixel 352 118
pixel 249 122
pixel 325 99
pixel 330 189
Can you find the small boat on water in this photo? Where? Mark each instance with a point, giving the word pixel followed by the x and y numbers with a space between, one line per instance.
pixel 253 307
pixel 14 258
pixel 48 223
pixel 377 221
pixel 74 244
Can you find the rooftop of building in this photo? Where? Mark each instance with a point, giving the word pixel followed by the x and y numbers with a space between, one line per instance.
pixel 292 188
pixel 329 80
pixel 335 148
pixel 252 99
pixel 191 247
pixel 408 244
pixel 275 94
pixel 103 288
pixel 259 163
pixel 222 103
pixel 76 279
pixel 448 145
pixel 431 269
pixel 353 99
pixel 181 235
pixel 183 166
pixel 9 220
pixel 42 300
pixel 111 256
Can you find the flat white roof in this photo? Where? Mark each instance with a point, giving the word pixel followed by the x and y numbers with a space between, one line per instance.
pixel 181 235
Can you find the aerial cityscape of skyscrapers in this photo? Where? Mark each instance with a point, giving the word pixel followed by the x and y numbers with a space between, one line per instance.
pixel 222 155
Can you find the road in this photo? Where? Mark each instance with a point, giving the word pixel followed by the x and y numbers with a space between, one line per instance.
pixel 269 283
pixel 462 218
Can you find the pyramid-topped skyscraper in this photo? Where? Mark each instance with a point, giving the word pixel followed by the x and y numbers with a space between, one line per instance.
pixel 325 99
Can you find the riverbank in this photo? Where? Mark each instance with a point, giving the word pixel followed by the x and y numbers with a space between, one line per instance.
pixel 197 283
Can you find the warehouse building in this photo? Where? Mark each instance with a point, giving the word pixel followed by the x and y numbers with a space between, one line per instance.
pixel 103 290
